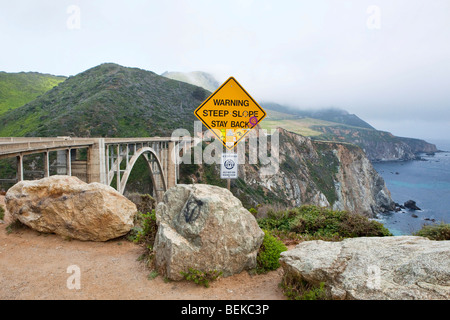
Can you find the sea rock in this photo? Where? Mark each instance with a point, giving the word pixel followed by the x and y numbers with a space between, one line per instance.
pixel 398 268
pixel 206 228
pixel 410 204
pixel 71 208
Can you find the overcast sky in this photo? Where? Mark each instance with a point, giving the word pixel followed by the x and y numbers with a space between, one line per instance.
pixel 388 61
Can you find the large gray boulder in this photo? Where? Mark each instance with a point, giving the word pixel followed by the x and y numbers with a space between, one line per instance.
pixel 71 208
pixel 205 228
pixel 397 268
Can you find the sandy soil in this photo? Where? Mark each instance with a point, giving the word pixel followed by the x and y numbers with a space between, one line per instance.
pixel 34 266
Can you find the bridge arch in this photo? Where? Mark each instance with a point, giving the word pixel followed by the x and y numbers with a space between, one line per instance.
pixel 158 184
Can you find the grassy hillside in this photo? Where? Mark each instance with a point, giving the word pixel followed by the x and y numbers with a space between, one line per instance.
pixel 108 101
pixel 335 115
pixel 17 89
pixel 293 123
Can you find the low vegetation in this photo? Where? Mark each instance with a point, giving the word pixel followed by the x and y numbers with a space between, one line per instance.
pixel 312 222
pixel 145 228
pixel 299 289
pixel 15 226
pixel 269 253
pixel 201 277
pixel 439 231
pixel 2 213
pixel 145 232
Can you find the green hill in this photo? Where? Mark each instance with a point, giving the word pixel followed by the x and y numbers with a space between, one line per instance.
pixel 17 89
pixel 108 101
pixel 334 115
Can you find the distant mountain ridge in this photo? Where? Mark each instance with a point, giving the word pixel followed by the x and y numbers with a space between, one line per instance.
pixel 340 126
pixel 328 114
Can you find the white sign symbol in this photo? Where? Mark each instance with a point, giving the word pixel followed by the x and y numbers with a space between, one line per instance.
pixel 229 168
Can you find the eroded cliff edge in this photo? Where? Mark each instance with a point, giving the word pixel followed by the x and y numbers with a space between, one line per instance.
pixel 329 174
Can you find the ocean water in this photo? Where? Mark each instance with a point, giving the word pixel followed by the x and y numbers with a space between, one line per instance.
pixel 426 182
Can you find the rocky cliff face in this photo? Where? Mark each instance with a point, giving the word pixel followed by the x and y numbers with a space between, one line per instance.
pixel 400 149
pixel 331 174
pixel 378 145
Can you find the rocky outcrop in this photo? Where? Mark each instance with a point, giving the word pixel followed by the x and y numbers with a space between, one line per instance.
pixel 419 146
pixel 71 208
pixel 205 228
pixel 378 145
pixel 331 174
pixel 395 268
pixel 411 205
pixel 395 149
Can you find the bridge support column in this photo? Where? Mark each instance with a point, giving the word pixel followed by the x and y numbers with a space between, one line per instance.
pixel 172 166
pixel 68 162
pixel 19 168
pixel 61 162
pixel 46 165
pixel 96 163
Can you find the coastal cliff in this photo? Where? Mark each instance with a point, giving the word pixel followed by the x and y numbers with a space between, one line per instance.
pixel 378 145
pixel 328 174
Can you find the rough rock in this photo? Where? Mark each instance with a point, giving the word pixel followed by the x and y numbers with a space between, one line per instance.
pixel 410 204
pixel 71 208
pixel 206 228
pixel 399 268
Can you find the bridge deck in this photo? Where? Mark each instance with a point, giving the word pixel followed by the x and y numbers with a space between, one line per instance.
pixel 22 146
pixel 13 146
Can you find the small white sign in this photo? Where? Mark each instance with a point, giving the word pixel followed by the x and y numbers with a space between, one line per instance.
pixel 229 167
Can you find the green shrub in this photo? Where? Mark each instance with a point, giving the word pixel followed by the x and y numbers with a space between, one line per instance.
pixel 152 275
pixel 315 220
pixel 2 213
pixel 295 288
pixel 253 211
pixel 144 233
pixel 279 220
pixel 269 253
pixel 201 277
pixel 435 231
pixel 145 229
pixel 322 223
pixel 357 225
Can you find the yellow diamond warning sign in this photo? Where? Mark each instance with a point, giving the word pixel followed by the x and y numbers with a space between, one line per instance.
pixel 230 113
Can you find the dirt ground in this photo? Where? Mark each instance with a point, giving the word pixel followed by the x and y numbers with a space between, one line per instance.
pixel 35 266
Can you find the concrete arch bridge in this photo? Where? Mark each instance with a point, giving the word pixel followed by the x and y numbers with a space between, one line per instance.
pixel 104 160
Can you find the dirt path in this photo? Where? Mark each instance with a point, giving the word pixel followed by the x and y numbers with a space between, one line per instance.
pixel 34 266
